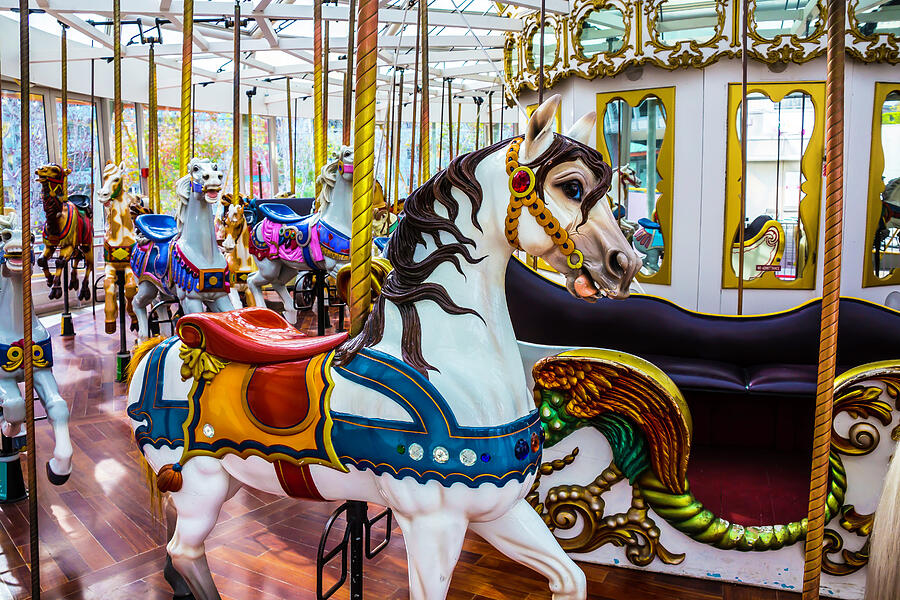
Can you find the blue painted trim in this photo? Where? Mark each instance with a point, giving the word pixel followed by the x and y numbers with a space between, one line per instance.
pixel 164 417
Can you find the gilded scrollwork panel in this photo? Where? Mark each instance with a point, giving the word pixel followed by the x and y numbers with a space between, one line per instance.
pixel 692 48
pixel 868 39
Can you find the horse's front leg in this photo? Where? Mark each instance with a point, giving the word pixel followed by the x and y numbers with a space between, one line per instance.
pixel 44 262
pixel 110 299
pixel 223 304
pixel 191 305
pixel 86 282
pixel 279 284
pixel 131 287
pixel 433 543
pixel 13 406
pixel 522 535
pixel 60 466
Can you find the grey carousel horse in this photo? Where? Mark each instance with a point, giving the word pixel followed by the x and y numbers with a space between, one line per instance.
pixel 11 357
pixel 179 258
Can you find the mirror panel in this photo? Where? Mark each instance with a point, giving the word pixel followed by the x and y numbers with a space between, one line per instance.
pixel 601 31
pixel 550 48
pixel 784 173
pixel 883 230
pixel 873 17
pixel 686 21
pixel 635 138
pixel 799 18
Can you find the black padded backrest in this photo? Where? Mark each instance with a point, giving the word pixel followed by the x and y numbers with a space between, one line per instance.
pixel 545 313
pixel 301 206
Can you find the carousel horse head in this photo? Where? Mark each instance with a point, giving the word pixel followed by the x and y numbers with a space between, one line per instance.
pixel 113 183
pixel 204 179
pixel 233 225
pixel 560 180
pixel 10 246
pixel 625 174
pixel 341 166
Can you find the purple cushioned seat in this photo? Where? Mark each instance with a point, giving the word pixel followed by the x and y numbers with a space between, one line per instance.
pixel 700 374
pixel 787 379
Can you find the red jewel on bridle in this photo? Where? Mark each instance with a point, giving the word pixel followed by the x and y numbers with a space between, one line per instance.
pixel 520 181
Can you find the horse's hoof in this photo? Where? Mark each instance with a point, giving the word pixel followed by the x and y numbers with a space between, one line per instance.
pixel 54 478
pixel 111 327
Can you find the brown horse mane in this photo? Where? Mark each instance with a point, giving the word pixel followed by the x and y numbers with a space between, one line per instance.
pixel 406 285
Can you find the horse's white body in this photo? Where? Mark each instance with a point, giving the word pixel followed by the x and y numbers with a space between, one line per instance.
pixel 196 239
pixel 334 210
pixel 480 376
pixel 11 331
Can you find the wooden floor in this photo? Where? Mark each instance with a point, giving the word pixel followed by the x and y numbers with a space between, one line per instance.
pixel 99 540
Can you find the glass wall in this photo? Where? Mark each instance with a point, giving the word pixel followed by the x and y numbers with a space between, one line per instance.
pixel 79 129
pixel 260 185
pixel 12 144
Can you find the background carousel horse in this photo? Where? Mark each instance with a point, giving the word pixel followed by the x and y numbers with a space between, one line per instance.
pixel 622 177
pixel 285 243
pixel 405 414
pixel 68 228
pixel 11 354
pixel 236 245
pixel 117 243
pixel 764 241
pixel 178 258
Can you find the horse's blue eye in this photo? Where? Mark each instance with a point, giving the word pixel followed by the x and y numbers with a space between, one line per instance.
pixel 572 190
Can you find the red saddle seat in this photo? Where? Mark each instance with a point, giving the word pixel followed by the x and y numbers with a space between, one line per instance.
pixel 252 335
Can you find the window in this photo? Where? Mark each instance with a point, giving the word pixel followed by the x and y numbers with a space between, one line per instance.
pixel 79 160
pixel 12 147
pixel 785 124
pixel 259 185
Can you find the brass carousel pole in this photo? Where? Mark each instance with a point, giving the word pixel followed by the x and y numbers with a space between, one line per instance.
pixel 491 117
pixel 425 116
pixel 27 342
pixel 123 357
pixel 740 274
pixel 326 50
pixel 319 143
pixel 391 144
pixel 478 100
pixel 415 96
pixel 187 53
pixel 541 71
pixel 66 327
pixel 399 120
pixel 250 94
pixel 458 124
pixel 236 108
pixel 450 120
pixel 363 174
pixel 831 284
pixel 440 147
pixel 348 78
pixel 290 123
pixel 153 137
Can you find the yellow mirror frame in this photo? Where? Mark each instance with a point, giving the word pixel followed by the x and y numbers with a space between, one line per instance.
pixel 810 166
pixel 876 187
pixel 665 165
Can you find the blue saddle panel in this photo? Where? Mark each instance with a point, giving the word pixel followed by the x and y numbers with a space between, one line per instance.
pixel 162 419
pixel 648 224
pixel 157 228
pixel 382 242
pixel 280 213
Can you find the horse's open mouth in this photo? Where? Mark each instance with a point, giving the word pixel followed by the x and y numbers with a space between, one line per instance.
pixel 585 287
pixel 212 194
pixel 13 260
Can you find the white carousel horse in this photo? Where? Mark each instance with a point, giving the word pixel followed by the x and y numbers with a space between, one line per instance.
pixel 285 243
pixel 178 258
pixel 236 245
pixel 456 443
pixel 11 371
pixel 117 242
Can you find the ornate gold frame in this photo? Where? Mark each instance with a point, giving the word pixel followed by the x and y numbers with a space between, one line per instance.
pixel 642 43
pixel 811 167
pixel 665 164
pixel 876 187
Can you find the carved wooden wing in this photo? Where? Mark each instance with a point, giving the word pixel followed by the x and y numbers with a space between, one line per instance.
pixel 602 381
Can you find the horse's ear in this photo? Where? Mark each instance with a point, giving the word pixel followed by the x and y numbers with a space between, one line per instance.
pixel 539 130
pixel 183 188
pixel 122 166
pixel 581 131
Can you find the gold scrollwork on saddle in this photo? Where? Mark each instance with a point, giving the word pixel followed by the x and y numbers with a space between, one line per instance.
pixel 199 365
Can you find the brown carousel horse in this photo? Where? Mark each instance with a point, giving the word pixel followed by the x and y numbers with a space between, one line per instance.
pixel 68 229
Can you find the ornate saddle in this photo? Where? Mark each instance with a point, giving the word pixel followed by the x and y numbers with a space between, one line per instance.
pixel 280 213
pixel 252 335
pixel 82 203
pixel 649 235
pixel 157 228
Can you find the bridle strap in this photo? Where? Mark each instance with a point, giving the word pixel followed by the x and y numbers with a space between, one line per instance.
pixel 522 192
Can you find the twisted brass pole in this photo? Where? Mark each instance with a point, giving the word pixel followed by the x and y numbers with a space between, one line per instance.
pixel 187 52
pixel 440 146
pixel 348 77
pixel 745 10
pixel 64 96
pixel 831 283
pixel 415 96
pixel 326 50
pixel 425 117
pixel 541 72
pixel 153 138
pixel 491 117
pixel 34 550
pixel 450 154
pixel 399 121
pixel 117 79
pixel 458 124
pixel 290 124
pixel 364 158
pixel 236 108
pixel 250 141
pixel 319 147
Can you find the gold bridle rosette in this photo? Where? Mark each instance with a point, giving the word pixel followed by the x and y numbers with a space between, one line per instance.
pixel 522 192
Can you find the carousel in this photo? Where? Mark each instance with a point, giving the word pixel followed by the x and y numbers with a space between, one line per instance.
pixel 455 299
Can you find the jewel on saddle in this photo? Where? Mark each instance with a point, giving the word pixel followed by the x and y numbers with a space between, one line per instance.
pixel 252 335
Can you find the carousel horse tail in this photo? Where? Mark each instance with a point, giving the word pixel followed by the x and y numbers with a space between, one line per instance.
pixel 140 351
pixel 883 579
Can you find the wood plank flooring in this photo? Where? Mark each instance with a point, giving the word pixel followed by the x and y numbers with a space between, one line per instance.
pixel 99 539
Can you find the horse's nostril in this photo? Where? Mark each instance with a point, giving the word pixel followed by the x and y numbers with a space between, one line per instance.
pixel 617 263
